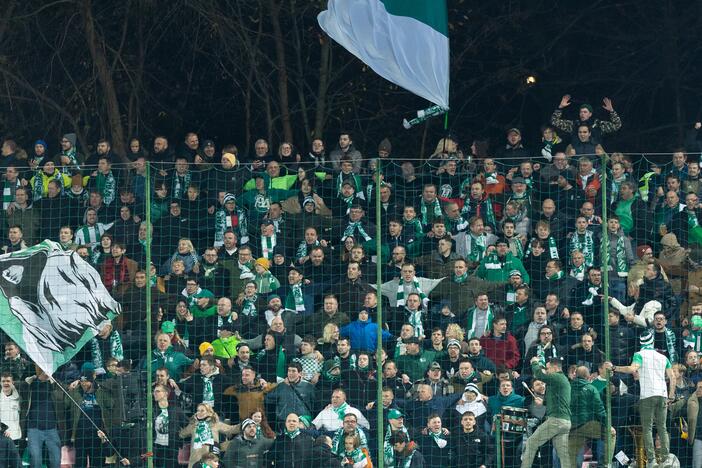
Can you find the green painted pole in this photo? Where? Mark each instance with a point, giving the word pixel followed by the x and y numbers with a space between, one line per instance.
pixel 149 370
pixel 605 306
pixel 379 344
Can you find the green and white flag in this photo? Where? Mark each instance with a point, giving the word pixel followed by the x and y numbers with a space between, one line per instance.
pixel 52 302
pixel 404 41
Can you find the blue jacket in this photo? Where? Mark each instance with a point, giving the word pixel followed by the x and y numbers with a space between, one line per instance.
pixel 363 335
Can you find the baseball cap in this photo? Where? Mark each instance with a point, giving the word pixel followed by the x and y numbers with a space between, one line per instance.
pixel 395 414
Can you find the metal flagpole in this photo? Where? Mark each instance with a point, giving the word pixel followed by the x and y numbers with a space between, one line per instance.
pixel 149 370
pixel 605 306
pixel 379 344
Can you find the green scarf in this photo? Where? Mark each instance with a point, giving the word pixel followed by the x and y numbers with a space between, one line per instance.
pixel 207 391
pixel 476 247
pixel 460 279
pixel 296 300
pixel 414 318
pixel 116 349
pixel 352 228
pixel 72 158
pixel 592 292
pixel 621 263
pixel 356 455
pixel 401 292
pixel 552 248
pixel 435 208
pixel 180 185
pixel 292 434
pixel 38 187
pixel 353 178
pixel 303 248
pixel 203 434
pixel 8 193
pixel 518 250
pixel 387 446
pixel 556 276
pixel 248 307
pixel 338 441
pixel 267 246
pixel 578 272
pixel 412 226
pixel 341 410
pixel 584 243
pixel 107 186
pixel 439 438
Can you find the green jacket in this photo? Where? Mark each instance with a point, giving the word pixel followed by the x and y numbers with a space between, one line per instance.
pixel 586 403
pixel 172 360
pixel 493 269
pixel 416 366
pixel 225 348
pixel 557 392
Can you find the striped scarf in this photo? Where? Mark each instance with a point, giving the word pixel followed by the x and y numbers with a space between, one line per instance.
pixel 267 246
pixel 586 244
pixel 180 184
pixel 414 318
pixel 304 247
pixel 8 193
pixel 38 189
pixel 116 349
pixel 296 300
pixel 107 186
pixel 90 235
pixel 401 292
pixel 578 272
pixel 352 228
pixel 388 452
pixel 248 307
pixel 435 208
pixel 338 441
pixel 476 247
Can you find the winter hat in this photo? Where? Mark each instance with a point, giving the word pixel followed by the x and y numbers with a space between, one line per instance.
pixel 453 342
pixel 646 338
pixel 204 346
pixel 264 262
pixel 42 143
pixel 207 143
pixel 471 387
pixel 273 296
pixel 309 199
pixel 71 137
pixel 229 157
pixel 229 197
pixel 305 420
pixel 585 106
pixel 641 249
pixel 168 327
pixel 247 422
pixel 385 145
pixel 670 240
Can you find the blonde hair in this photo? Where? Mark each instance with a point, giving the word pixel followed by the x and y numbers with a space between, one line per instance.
pixel 214 419
pixel 328 331
pixel 445 145
pixel 188 242
pixel 455 330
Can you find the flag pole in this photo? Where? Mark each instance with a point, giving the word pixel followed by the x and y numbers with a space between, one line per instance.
pixel 106 439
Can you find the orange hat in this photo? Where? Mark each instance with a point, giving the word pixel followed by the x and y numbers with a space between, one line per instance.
pixel 204 346
pixel 264 262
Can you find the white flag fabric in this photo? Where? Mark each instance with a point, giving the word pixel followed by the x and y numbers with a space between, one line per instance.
pixel 52 302
pixel 404 41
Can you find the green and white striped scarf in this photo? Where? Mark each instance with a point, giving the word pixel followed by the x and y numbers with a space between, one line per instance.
pixel 303 249
pixel 620 261
pixel 341 410
pixel 356 455
pixel 8 193
pixel 116 349
pixel 460 279
pixel 248 307
pixel 592 292
pixel 578 272
pixel 516 247
pixel 338 441
pixel 584 243
pixel 352 228
pixel 435 208
pixel 181 184
pixel 351 177
pixel 107 186
pixel 414 318
pixel 292 434
pixel 267 246
pixel 38 187
pixel 401 292
pixel 296 300
pixel 90 235
pixel 203 434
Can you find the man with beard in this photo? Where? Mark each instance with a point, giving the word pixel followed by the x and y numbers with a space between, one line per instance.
pixel 496 266
pixel 346 149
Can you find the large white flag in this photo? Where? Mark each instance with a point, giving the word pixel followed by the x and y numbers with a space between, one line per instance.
pixel 404 41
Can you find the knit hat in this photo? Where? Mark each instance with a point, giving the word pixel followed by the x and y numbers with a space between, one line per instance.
pixel 229 197
pixel 670 240
pixel 204 346
pixel 305 420
pixel 515 273
pixel 71 137
pixel 273 296
pixel 385 145
pixel 309 199
pixel 168 327
pixel 585 105
pixel 206 143
pixel 395 414
pixel 471 387
pixel 453 342
pixel 641 249
pixel 646 338
pixel 42 143
pixel 264 262
pixel 247 422
pixel 229 157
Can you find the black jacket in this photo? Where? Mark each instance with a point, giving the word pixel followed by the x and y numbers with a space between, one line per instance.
pixel 470 450
pixel 292 453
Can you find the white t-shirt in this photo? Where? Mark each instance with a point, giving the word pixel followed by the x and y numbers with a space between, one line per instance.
pixel 652 367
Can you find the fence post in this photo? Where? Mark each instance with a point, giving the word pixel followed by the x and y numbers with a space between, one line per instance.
pixel 149 371
pixel 604 254
pixel 379 339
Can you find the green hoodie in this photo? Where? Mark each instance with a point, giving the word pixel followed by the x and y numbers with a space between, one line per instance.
pixel 586 403
pixel 557 392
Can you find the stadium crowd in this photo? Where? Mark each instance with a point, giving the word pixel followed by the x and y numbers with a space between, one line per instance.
pixel 264 302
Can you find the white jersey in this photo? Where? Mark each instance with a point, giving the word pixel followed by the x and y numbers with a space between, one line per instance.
pixel 652 367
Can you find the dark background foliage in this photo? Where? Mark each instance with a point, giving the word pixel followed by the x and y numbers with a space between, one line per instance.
pixel 239 70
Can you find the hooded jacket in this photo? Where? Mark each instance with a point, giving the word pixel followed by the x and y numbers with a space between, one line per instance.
pixel 586 404
pixel 363 335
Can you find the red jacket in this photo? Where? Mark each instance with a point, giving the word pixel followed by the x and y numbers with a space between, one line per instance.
pixel 501 351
